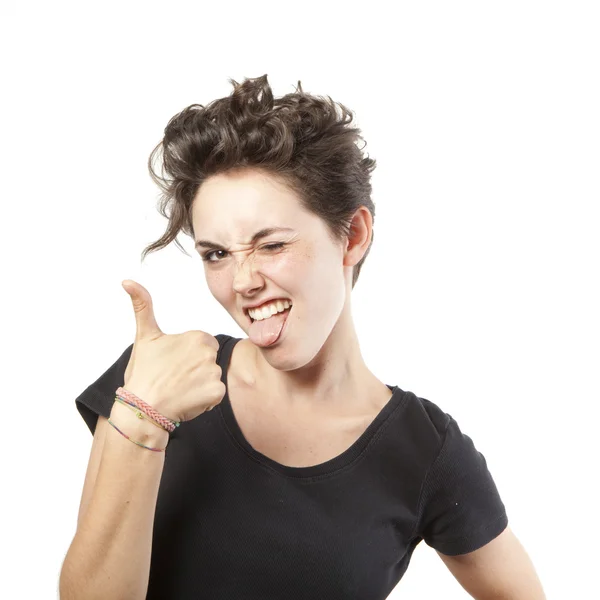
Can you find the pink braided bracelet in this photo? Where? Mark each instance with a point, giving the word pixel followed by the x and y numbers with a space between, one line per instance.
pixel 151 412
pixel 139 413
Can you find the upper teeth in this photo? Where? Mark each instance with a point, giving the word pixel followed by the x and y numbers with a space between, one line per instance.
pixel 268 310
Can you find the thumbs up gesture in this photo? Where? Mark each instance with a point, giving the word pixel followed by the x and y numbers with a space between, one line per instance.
pixel 177 375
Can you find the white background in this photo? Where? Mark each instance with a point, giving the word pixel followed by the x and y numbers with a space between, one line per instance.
pixel 481 290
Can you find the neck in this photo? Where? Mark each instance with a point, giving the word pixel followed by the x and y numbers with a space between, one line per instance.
pixel 336 376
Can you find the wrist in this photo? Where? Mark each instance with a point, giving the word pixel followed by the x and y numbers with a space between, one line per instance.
pixel 145 395
pixel 140 429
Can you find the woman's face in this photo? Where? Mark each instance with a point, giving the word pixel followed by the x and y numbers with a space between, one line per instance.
pixel 307 267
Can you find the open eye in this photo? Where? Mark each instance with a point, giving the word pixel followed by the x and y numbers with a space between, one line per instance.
pixel 206 257
pixel 269 247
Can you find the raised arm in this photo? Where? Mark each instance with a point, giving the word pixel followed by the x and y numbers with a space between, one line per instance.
pixel 109 556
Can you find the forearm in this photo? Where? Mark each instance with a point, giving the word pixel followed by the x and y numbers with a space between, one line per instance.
pixel 109 557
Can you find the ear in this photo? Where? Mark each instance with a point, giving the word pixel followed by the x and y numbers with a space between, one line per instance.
pixel 360 237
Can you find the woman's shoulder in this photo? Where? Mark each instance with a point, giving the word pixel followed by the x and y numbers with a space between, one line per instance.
pixel 420 410
pixel 420 423
pixel 222 338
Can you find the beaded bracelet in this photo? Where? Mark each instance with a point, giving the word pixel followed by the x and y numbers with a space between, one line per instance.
pixel 149 410
pixel 138 443
pixel 138 413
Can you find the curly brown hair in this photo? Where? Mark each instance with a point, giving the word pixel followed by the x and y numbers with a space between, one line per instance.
pixel 299 139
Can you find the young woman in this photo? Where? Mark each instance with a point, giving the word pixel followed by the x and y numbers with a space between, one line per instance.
pixel 311 478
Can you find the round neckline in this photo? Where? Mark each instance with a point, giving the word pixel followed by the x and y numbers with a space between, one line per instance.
pixel 327 467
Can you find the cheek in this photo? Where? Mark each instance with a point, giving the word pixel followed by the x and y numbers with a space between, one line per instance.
pixel 219 285
pixel 281 269
pixel 298 260
pixel 283 266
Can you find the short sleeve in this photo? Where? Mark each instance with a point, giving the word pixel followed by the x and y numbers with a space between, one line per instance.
pixel 98 398
pixel 460 508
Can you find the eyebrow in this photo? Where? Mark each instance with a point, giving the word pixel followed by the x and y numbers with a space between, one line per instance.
pixel 258 235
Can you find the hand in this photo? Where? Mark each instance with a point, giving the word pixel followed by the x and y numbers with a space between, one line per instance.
pixel 178 374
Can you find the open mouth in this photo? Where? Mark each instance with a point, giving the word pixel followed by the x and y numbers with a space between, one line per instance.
pixel 283 312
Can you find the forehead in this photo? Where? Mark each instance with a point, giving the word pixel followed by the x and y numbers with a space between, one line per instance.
pixel 235 206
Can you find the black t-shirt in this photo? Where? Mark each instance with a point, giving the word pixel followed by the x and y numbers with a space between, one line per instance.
pixel 233 524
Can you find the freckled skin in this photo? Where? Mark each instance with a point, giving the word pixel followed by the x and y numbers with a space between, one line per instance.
pixel 318 360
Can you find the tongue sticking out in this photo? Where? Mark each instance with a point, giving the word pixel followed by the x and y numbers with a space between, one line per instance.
pixel 266 332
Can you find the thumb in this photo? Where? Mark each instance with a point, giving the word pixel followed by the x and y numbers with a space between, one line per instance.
pixel 146 325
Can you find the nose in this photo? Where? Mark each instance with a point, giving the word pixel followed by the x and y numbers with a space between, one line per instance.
pixel 245 278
